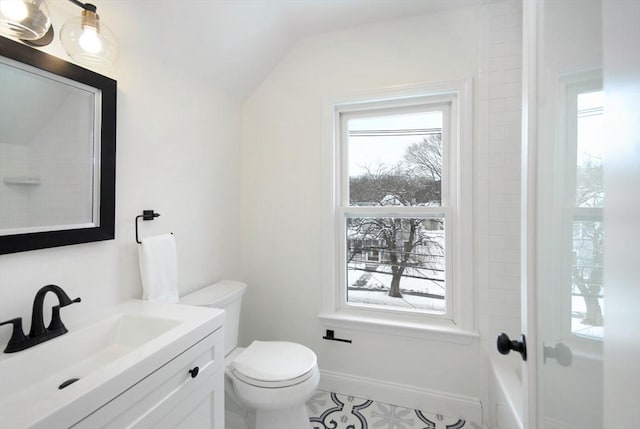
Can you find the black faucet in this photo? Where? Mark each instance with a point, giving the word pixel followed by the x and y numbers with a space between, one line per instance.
pixel 38 333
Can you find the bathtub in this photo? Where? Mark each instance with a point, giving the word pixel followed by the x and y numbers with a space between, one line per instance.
pixel 505 393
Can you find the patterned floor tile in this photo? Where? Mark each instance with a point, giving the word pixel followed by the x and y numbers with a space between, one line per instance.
pixel 336 411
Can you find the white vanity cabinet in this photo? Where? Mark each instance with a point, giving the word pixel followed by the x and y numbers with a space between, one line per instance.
pixel 139 364
pixel 186 392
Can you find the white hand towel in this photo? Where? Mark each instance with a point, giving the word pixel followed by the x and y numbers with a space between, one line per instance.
pixel 159 268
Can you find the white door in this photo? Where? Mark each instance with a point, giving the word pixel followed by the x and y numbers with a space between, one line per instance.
pixel 621 39
pixel 582 67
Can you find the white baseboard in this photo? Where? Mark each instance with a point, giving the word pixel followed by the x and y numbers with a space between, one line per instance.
pixel 448 404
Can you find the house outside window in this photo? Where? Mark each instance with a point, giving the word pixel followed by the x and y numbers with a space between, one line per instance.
pixel 401 207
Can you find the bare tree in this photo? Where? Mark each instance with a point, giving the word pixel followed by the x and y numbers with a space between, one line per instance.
pixel 397 240
pixel 589 183
pixel 424 159
pixel 588 236
pixel 414 181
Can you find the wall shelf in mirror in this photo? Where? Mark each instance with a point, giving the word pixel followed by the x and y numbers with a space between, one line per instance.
pixel 58 139
pixel 21 180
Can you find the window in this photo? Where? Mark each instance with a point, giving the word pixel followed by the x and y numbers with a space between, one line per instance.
pixel 395 162
pixel 400 208
pixel 584 220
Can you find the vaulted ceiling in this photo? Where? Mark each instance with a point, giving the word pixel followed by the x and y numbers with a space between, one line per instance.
pixel 237 42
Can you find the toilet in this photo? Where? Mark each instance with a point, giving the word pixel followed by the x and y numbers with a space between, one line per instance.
pixel 269 381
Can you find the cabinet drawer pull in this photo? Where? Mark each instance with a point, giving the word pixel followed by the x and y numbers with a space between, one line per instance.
pixel 194 372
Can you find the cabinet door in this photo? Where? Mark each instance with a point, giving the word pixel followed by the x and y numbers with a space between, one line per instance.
pixel 202 409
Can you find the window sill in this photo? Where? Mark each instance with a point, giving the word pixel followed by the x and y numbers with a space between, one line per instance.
pixel 440 331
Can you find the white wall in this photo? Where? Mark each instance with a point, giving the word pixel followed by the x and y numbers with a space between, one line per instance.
pixel 178 153
pixel 281 185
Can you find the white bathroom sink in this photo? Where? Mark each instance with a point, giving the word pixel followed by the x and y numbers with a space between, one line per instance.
pixel 106 356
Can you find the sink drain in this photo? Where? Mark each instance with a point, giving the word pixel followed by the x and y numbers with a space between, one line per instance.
pixel 67 383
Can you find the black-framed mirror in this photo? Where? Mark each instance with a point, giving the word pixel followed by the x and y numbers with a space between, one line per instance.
pixel 57 151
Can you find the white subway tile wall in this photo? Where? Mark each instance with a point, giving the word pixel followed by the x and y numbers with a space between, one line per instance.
pixel 498 181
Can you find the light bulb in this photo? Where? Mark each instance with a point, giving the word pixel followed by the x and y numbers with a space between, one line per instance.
pixel 90 41
pixel 14 10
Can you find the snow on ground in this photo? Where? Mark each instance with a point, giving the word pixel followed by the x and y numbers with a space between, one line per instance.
pixel 578 309
pixel 377 293
pixel 407 301
pixel 382 280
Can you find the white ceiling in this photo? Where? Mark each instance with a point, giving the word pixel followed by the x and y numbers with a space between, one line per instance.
pixel 238 42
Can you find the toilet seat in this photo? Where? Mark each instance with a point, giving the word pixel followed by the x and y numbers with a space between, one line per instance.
pixel 272 384
pixel 274 364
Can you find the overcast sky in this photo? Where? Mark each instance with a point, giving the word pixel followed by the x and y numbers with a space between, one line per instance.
pixel 376 147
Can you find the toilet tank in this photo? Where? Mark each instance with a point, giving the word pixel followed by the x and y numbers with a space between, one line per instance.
pixel 226 294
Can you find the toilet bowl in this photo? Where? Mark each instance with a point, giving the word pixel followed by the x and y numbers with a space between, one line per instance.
pixel 271 380
pixel 273 375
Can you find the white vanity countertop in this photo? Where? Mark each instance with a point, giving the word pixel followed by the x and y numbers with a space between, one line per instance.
pixel 115 350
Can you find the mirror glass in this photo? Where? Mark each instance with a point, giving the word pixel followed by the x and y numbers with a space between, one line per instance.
pixel 46 161
pixel 57 151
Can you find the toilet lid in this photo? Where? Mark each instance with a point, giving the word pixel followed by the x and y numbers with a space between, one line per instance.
pixel 273 361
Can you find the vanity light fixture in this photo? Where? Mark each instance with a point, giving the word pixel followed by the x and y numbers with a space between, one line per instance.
pixel 27 20
pixel 87 40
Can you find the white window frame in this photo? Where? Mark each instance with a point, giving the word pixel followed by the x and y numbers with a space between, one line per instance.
pixel 459 322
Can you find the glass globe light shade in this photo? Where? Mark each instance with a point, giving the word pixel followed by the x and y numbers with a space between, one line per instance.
pixel 88 41
pixel 24 19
